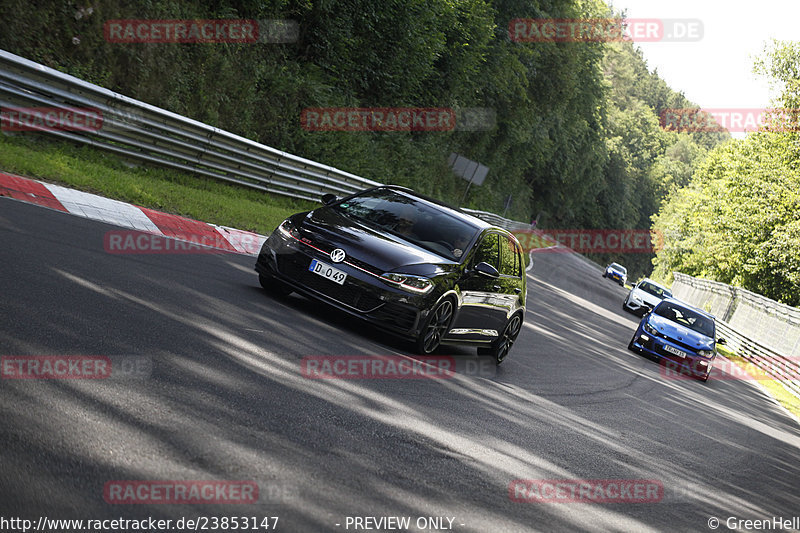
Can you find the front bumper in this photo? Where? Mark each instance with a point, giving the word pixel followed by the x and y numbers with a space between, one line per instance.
pixel 362 295
pixel 640 308
pixel 691 365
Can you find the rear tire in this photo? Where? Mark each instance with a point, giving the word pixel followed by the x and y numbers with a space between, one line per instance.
pixel 500 348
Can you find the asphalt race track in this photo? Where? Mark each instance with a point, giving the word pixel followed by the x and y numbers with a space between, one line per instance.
pixel 224 399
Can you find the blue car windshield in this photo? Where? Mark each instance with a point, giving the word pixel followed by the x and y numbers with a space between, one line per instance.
pixel 686 317
pixel 424 224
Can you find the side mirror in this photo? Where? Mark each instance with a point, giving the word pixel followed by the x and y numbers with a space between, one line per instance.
pixel 722 342
pixel 328 198
pixel 485 269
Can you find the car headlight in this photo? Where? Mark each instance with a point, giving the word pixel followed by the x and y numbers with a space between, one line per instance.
pixel 650 329
pixel 637 299
pixel 705 353
pixel 285 229
pixel 408 282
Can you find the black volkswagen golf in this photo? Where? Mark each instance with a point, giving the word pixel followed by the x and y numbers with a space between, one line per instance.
pixel 407 264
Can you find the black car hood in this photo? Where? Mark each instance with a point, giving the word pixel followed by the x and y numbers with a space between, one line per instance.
pixel 327 229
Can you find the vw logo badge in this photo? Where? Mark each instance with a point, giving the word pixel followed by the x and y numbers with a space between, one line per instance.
pixel 337 256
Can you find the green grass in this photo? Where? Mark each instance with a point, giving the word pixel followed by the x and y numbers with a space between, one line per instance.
pixel 774 387
pixel 91 170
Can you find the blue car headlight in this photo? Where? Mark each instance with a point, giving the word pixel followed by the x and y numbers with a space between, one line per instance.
pixel 650 329
pixel 409 282
pixel 705 353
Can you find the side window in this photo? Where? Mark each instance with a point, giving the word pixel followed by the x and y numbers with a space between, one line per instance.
pixel 489 250
pixel 509 258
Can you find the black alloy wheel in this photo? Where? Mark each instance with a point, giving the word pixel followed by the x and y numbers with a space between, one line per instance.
pixel 503 344
pixel 436 326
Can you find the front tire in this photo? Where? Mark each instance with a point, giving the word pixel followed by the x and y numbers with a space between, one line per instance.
pixel 436 327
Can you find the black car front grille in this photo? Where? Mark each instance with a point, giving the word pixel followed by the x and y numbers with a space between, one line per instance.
pixel 349 294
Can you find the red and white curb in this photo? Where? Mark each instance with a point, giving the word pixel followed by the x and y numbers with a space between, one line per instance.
pixel 125 215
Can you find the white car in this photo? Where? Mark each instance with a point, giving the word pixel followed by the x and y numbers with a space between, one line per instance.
pixel 644 296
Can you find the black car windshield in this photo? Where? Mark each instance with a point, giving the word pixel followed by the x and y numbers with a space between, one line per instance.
pixel 621 268
pixel 655 290
pixel 686 317
pixel 414 220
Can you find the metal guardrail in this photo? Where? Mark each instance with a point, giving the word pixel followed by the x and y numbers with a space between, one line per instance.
pixel 147 133
pixel 784 370
pixel 497 220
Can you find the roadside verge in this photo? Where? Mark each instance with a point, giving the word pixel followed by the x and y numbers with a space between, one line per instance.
pixel 130 216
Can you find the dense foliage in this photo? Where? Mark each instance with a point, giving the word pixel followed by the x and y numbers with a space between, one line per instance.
pixel 577 142
pixel 738 220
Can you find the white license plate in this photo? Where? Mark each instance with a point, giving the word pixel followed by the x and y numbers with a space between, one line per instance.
pixel 327 271
pixel 670 349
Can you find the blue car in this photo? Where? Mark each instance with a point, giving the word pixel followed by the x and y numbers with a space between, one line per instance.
pixel 616 272
pixel 679 334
